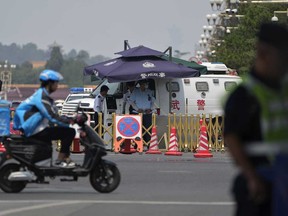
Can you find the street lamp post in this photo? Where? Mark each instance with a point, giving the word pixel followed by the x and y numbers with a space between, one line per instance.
pixel 6 77
pixel 216 4
pixel 275 18
pixel 219 24
pixel 212 17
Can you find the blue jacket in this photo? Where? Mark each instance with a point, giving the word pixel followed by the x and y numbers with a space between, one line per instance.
pixel 34 114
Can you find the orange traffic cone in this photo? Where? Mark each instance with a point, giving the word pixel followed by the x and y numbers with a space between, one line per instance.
pixel 203 150
pixel 173 144
pixel 153 148
pixel 76 146
pixel 127 147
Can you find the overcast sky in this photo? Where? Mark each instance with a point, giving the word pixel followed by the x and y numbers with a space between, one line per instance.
pixel 101 26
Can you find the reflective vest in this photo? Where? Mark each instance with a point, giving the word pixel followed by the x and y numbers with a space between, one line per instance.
pixel 274 109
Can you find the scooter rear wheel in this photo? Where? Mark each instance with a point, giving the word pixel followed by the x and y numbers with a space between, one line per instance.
pixel 7 185
pixel 105 178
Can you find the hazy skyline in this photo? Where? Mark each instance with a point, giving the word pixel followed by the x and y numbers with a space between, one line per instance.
pixel 101 26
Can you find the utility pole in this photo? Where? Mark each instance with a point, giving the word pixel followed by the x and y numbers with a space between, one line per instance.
pixel 6 77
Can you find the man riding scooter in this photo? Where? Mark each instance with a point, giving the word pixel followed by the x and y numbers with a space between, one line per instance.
pixel 36 117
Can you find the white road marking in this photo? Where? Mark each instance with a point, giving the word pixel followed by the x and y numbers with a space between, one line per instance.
pixel 175 171
pixel 53 203
pixel 28 208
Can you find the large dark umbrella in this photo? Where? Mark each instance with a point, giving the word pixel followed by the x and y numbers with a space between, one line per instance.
pixel 125 69
pixel 140 63
pixel 140 51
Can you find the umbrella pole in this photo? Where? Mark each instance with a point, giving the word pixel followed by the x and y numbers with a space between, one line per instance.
pixel 126 45
pixel 170 96
pixel 170 89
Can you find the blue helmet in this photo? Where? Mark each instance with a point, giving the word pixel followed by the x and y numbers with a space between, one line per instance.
pixel 47 75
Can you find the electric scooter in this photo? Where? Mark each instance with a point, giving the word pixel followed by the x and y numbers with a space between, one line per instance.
pixel 21 163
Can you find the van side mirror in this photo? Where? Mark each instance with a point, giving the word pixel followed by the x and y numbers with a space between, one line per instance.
pixel 0 85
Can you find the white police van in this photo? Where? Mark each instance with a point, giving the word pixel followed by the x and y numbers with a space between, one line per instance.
pixel 196 95
pixel 76 96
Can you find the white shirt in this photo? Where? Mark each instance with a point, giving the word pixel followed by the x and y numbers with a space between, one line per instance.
pixel 98 103
pixel 142 99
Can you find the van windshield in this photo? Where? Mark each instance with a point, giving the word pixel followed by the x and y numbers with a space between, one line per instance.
pixel 76 97
pixel 113 88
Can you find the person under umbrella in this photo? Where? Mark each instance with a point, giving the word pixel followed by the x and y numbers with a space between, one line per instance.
pixel 99 103
pixel 142 101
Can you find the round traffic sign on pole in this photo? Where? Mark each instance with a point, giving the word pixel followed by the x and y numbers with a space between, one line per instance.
pixel 128 126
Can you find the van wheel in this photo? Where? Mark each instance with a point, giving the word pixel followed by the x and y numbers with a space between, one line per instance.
pixel 7 185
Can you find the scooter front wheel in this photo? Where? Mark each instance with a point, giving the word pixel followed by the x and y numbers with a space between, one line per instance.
pixel 105 178
pixel 10 186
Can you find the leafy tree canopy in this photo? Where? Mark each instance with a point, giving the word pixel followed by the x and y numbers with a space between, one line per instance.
pixel 70 65
pixel 238 49
pixel 56 59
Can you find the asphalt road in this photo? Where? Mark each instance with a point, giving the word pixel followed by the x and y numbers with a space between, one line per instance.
pixel 151 185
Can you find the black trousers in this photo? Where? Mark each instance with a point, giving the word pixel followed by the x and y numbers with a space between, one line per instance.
pixel 65 134
pixel 245 206
pixel 131 110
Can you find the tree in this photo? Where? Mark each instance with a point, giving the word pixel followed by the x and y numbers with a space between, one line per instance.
pixel 31 52
pixel 25 74
pixel 56 59
pixel 238 48
pixel 72 54
pixel 72 72
pixel 71 67
pixel 96 59
pixel 17 54
pixel 83 56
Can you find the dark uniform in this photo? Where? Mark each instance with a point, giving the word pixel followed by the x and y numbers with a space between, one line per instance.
pixel 242 117
pixel 256 114
pixel 98 108
pixel 99 105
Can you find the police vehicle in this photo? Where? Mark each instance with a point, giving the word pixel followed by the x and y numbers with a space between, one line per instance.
pixel 75 98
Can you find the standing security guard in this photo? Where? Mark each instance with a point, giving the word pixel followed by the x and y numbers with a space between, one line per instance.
pixel 126 97
pixel 142 101
pixel 98 104
pixel 257 112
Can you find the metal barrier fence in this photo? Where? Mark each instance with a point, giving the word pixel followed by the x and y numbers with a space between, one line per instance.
pixel 187 127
